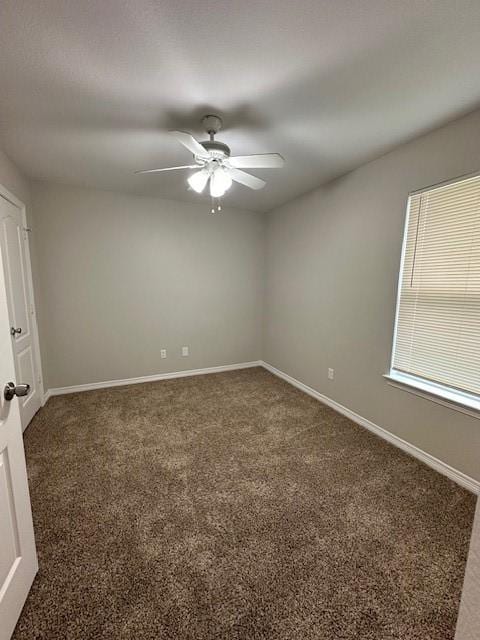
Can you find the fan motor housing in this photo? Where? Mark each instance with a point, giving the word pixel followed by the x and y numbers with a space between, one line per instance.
pixel 217 149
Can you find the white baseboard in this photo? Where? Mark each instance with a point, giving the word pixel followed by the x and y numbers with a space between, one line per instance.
pixel 58 391
pixel 457 476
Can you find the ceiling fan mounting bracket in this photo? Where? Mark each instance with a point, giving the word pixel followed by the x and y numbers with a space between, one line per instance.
pixel 212 124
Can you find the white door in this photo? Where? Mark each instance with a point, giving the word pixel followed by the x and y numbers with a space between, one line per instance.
pixel 18 558
pixel 16 265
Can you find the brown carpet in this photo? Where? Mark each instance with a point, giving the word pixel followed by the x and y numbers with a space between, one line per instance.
pixel 233 506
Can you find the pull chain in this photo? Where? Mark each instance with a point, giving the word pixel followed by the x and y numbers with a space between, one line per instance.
pixel 216 205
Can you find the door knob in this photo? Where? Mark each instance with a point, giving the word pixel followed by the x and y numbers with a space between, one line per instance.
pixel 13 331
pixel 11 389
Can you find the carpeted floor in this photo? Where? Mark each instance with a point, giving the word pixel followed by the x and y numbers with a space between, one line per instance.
pixel 233 506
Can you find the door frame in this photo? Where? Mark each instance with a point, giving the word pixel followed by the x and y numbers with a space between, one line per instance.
pixel 8 195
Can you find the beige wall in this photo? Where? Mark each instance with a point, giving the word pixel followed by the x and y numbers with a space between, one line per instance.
pixel 12 179
pixel 122 277
pixel 332 261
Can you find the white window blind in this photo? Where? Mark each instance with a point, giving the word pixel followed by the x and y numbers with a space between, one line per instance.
pixel 437 334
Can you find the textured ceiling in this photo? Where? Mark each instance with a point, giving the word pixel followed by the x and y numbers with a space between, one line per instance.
pixel 90 88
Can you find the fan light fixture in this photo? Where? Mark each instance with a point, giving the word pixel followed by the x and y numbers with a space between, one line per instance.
pixel 198 180
pixel 215 163
pixel 220 182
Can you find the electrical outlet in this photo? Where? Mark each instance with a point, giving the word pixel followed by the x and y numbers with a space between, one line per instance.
pixel 184 351
pixel 163 353
pixel 331 373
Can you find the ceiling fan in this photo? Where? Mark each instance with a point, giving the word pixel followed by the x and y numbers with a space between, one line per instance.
pixel 216 165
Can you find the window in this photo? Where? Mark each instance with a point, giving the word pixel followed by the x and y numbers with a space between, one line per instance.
pixel 437 329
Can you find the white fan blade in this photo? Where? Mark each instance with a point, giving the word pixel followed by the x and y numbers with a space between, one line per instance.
pixel 257 161
pixel 191 144
pixel 185 166
pixel 246 178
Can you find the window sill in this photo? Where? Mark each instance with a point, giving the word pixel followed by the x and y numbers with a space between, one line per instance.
pixel 456 400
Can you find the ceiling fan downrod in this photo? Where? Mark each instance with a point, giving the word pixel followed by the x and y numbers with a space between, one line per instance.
pixel 212 125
